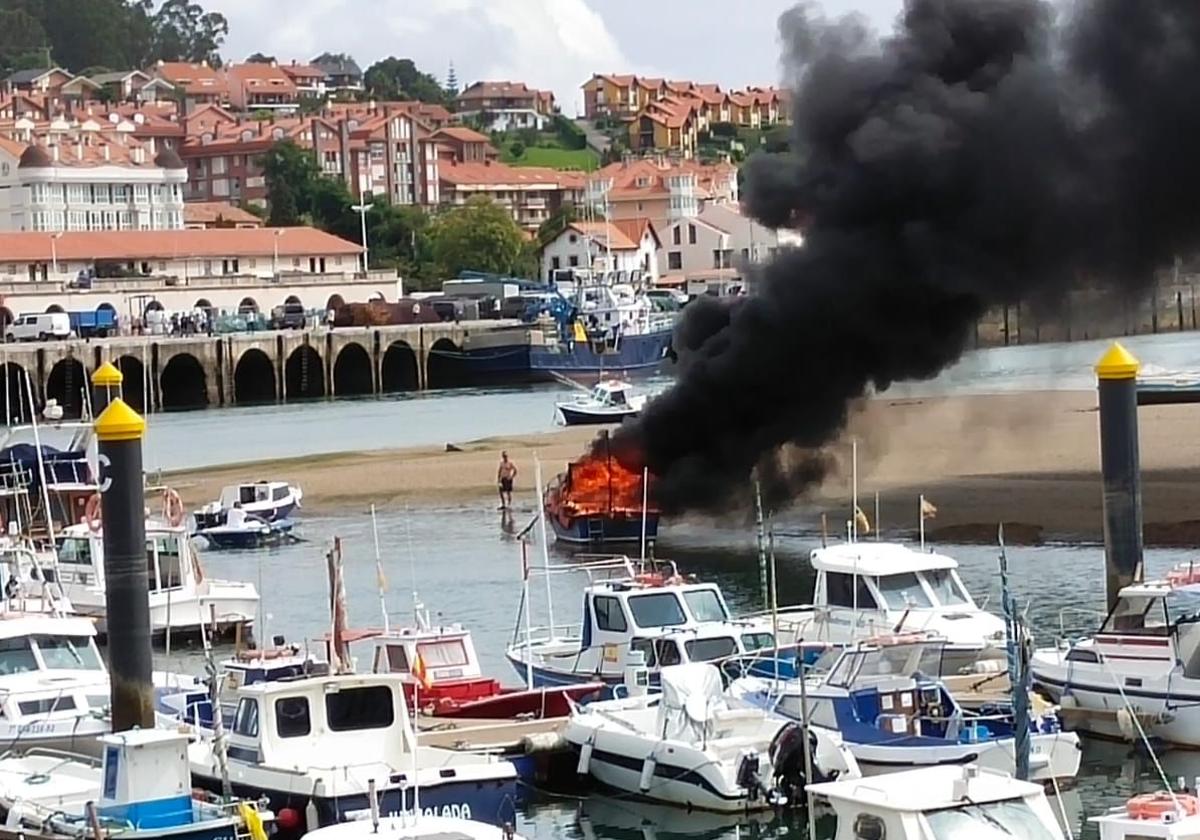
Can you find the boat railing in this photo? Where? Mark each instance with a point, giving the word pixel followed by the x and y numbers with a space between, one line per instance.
pixel 607 567
pixel 1096 616
pixel 545 633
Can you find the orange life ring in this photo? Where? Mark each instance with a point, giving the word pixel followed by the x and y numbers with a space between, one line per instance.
pixel 1152 806
pixel 172 508
pixel 91 513
pixel 651 579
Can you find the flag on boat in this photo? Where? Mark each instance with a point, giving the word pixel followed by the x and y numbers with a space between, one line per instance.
pixel 860 521
pixel 928 509
pixel 419 672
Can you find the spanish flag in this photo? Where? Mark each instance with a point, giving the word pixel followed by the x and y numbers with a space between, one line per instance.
pixel 928 509
pixel 418 671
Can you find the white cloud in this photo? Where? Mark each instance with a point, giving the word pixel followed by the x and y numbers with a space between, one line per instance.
pixel 555 44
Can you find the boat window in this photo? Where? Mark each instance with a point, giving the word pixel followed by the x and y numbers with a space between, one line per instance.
pixel 45 705
pixel 947 588
pixel 369 707
pixel 246 495
pixel 75 550
pixel 167 547
pixel 63 652
pixel 291 717
pixel 16 656
pixel 705 605
pixel 245 719
pixel 397 659
pixel 840 592
pixel 869 827
pixel 279 493
pixel 988 821
pixel 609 615
pixel 903 591
pixel 646 646
pixel 668 652
pixel 660 609
pixel 1140 615
pixel 442 653
pixel 616 398
pixel 708 650
pixel 757 641
pixel 1082 655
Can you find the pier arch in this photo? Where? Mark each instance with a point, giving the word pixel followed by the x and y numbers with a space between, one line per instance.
pixel 248 306
pixel 446 367
pixel 15 386
pixel 254 378
pixel 133 382
pixel 54 307
pixel 291 299
pixel 202 303
pixel 304 375
pixel 335 302
pixel 65 384
pixel 184 384
pixel 352 372
pixel 399 368
pixel 106 307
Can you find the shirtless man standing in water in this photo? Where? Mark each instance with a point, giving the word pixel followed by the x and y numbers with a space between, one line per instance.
pixel 505 476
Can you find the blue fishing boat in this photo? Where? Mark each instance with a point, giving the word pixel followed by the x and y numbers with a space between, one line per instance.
pixel 599 501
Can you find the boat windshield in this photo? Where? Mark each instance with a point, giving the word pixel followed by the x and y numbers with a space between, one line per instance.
pixel 1143 615
pixel 903 591
pixel 61 652
pixel 75 550
pixel 947 588
pixel 705 605
pixel 1010 820
pixel 709 650
pixel 876 664
pixel 16 656
pixel 757 641
pixel 657 609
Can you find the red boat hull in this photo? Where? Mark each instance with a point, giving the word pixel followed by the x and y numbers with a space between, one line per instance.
pixel 484 699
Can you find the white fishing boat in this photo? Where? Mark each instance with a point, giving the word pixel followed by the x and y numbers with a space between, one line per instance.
pixel 314 746
pixel 1141 668
pixel 183 599
pixel 941 803
pixel 609 401
pixel 644 606
pixel 266 500
pixel 141 789
pixel 687 746
pixel 241 530
pixel 892 715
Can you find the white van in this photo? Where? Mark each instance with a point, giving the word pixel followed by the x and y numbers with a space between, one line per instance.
pixel 39 326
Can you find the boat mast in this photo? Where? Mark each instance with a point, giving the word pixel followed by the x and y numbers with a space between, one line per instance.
pixel 37 442
pixel 380 580
pixel 762 547
pixel 541 508
pixel 525 608
pixel 1017 668
pixel 854 490
pixel 645 504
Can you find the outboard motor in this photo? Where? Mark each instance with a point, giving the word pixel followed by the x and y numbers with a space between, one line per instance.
pixel 748 774
pixel 787 760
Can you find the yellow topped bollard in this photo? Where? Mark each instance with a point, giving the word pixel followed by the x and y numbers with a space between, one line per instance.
pixel 106 383
pixel 1116 373
pixel 119 430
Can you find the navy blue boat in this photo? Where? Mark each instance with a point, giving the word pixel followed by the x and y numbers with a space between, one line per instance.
pixel 247 532
pixel 597 502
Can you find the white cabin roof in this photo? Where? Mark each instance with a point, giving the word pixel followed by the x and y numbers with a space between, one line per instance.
pixel 1150 589
pixel 877 559
pixel 339 681
pixel 927 789
pixel 17 625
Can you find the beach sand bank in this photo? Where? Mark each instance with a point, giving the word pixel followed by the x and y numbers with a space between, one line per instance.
pixel 1030 460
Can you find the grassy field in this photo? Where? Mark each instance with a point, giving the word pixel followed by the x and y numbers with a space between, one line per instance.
pixel 556 158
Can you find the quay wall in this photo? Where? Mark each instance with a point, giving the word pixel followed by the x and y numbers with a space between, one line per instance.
pixel 167 373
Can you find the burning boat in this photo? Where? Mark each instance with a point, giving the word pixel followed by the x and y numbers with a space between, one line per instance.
pixel 599 500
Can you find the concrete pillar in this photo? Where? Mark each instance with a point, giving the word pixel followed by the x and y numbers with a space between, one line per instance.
pixel 376 363
pixel 280 362
pixel 422 361
pixel 1116 373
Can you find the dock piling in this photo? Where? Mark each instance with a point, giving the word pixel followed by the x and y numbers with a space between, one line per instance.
pixel 120 430
pixel 1116 374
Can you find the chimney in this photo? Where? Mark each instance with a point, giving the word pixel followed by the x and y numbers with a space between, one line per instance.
pixel 107 152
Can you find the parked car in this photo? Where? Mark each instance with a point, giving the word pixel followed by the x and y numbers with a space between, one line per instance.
pixel 290 316
pixel 39 326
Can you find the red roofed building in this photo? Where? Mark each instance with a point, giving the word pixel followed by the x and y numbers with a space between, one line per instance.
pixel 610 94
pixel 260 87
pixel 659 190
pixel 308 79
pixel 507 106
pixel 530 193
pixel 218 214
pixel 200 84
pixel 460 144
pixel 625 247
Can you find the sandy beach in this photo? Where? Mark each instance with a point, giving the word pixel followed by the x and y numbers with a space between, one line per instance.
pixel 1030 460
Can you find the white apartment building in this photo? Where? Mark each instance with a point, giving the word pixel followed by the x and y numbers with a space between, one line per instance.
pixel 623 247
pixel 92 183
pixel 710 251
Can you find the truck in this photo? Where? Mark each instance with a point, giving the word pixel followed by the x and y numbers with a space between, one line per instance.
pixel 93 323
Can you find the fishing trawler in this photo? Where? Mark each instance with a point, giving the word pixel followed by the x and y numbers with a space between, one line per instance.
pixel 599 501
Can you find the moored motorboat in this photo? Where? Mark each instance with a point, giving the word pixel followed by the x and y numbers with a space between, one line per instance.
pixel 246 531
pixel 610 401
pixel 267 500
pixel 688 747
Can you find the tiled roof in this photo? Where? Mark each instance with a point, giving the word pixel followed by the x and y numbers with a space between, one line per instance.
pixel 211 212
pixel 302 71
pixel 635 228
pixel 495 174
pixel 193 78
pixel 462 134
pixel 110 78
pixel 125 245
pixel 257 76
pixel 497 89
pixel 24 77
pixel 605 233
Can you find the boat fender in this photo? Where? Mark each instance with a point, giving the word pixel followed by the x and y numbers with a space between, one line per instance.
pixel 172 508
pixel 585 758
pixel 648 767
pixel 541 742
pixel 312 819
pixel 91 513
pixel 1125 723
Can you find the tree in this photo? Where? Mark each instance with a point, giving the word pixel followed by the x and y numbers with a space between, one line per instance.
pixel 399 78
pixel 451 84
pixel 259 58
pixel 82 33
pixel 21 34
pixel 290 174
pixel 183 31
pixel 480 235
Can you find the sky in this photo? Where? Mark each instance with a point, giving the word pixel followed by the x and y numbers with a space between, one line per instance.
pixel 554 44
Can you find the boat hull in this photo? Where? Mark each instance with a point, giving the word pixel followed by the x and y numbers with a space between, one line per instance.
pixel 234 539
pixel 269 514
pixel 1052 756
pixel 541 702
pixel 583 417
pixel 603 530
pixel 635 355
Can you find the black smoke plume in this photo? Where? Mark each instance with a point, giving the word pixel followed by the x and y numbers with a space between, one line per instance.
pixel 988 152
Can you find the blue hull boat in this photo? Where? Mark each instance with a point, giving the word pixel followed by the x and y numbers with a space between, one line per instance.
pixel 249 535
pixel 604 529
pixel 519 362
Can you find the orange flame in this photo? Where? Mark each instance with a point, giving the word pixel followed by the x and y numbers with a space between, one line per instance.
pixel 596 484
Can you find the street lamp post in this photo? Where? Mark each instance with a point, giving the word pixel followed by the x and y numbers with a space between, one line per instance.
pixel 54 237
pixel 275 257
pixel 362 209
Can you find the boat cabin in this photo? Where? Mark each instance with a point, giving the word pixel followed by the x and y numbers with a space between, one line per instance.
pixel 59 473
pixel 865 589
pixel 171 562
pixel 611 393
pixel 294 723
pixel 939 803
pixel 1153 628
pixel 702 644
pixel 49 667
pixel 615 612
pixel 452 668
pixel 255 494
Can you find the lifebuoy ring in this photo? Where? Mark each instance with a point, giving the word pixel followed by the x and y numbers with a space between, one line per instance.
pixel 172 508
pixel 91 513
pixel 1152 806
